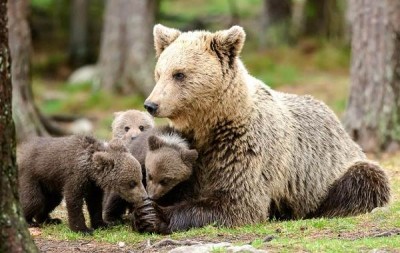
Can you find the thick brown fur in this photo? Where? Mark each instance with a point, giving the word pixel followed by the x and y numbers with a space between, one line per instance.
pixel 166 161
pixel 78 168
pixel 262 153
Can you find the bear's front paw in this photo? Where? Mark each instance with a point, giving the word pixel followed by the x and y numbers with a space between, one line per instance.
pixel 100 224
pixel 147 218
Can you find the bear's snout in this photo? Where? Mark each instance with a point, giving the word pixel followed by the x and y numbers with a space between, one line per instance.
pixel 151 107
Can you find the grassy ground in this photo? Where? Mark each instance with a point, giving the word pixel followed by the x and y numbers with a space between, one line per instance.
pixel 377 230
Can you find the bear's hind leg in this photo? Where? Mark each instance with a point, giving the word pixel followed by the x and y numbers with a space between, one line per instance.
pixel 362 188
pixel 31 198
pixel 52 201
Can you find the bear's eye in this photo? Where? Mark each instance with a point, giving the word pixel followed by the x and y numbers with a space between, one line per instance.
pixel 141 128
pixel 132 184
pixel 126 129
pixel 164 182
pixel 178 76
pixel 150 178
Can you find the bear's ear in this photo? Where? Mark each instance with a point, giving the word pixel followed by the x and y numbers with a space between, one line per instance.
pixel 103 160
pixel 189 157
pixel 117 145
pixel 163 37
pixel 155 143
pixel 228 42
pixel 117 114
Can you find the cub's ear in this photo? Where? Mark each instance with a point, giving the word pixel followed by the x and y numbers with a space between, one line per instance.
pixel 163 37
pixel 117 114
pixel 103 160
pixel 155 143
pixel 228 42
pixel 189 157
pixel 117 145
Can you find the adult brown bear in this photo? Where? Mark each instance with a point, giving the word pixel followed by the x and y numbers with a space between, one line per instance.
pixel 262 153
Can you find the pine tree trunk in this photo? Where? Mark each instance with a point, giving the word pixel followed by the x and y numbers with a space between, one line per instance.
pixel 14 235
pixel 79 33
pixel 325 18
pixel 26 116
pixel 373 112
pixel 275 22
pixel 126 55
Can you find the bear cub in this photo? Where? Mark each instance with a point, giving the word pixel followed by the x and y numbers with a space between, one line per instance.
pixel 167 161
pixel 127 125
pixel 78 168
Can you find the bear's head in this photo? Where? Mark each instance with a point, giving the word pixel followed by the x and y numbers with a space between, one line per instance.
pixel 194 70
pixel 127 125
pixel 166 166
pixel 117 170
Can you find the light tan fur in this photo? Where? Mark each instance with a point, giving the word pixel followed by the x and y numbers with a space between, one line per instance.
pixel 261 152
pixel 129 124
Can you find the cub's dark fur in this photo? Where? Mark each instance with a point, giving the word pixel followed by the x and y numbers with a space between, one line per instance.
pixel 78 168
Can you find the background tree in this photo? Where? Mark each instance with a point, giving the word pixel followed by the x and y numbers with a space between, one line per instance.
pixel 325 18
pixel 275 19
pixel 126 55
pixel 14 236
pixel 373 112
pixel 26 116
pixel 79 33
pixel 28 120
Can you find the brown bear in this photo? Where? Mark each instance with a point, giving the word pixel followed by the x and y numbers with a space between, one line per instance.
pixel 78 168
pixel 129 124
pixel 262 153
pixel 167 161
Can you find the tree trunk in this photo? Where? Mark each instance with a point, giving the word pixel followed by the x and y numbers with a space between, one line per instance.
pixel 373 112
pixel 14 235
pixel 28 120
pixel 26 116
pixel 275 21
pixel 126 55
pixel 325 18
pixel 79 33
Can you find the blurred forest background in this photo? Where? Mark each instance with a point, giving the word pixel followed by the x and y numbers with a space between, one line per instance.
pixel 76 62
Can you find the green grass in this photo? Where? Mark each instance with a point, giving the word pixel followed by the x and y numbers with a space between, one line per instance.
pixel 350 234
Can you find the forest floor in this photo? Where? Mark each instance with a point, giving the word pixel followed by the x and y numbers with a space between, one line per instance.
pixel 322 74
pixel 378 231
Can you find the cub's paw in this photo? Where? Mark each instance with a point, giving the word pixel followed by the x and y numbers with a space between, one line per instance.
pixel 54 221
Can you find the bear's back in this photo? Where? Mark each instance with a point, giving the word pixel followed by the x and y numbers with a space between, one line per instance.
pixel 315 149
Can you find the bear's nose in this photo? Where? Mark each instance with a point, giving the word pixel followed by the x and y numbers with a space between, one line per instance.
pixel 151 107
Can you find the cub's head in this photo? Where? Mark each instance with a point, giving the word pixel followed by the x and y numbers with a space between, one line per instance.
pixel 129 124
pixel 193 70
pixel 117 170
pixel 166 166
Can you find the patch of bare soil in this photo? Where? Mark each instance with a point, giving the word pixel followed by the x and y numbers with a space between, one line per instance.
pixel 54 246
pixel 355 235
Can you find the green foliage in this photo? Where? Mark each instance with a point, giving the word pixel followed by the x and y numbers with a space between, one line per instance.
pixel 42 4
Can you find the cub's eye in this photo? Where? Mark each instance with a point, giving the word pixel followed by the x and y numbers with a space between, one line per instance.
pixel 141 128
pixel 132 184
pixel 127 129
pixel 150 178
pixel 179 76
pixel 164 182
